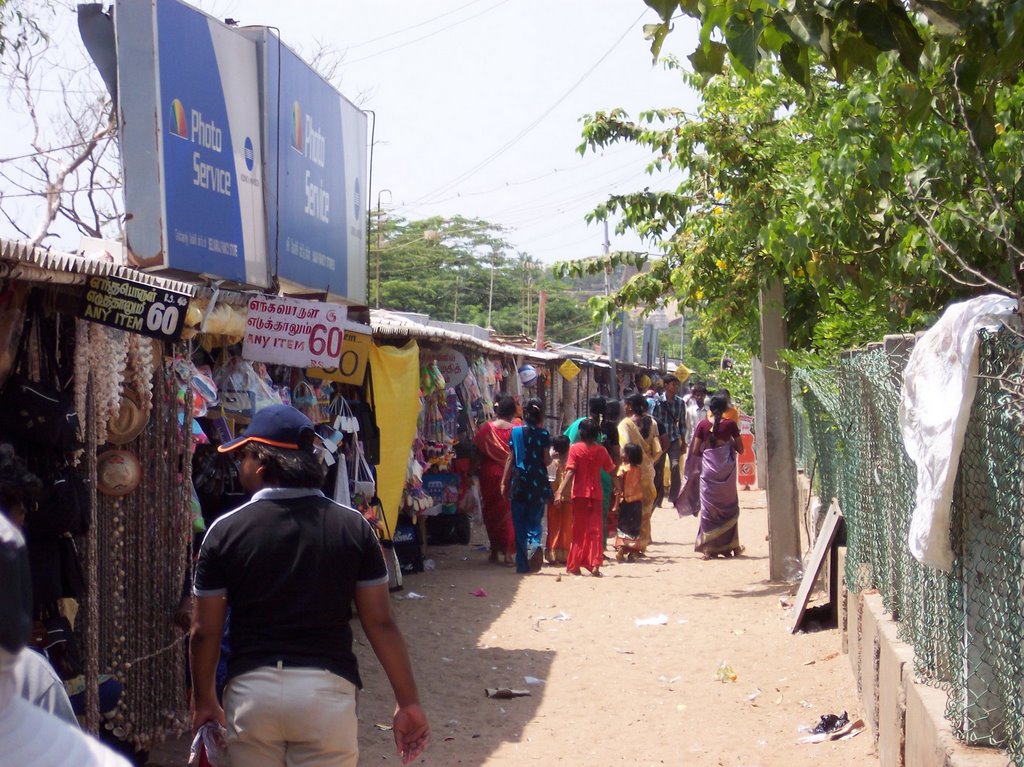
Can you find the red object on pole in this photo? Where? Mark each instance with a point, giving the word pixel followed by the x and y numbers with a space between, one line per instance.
pixel 542 305
pixel 746 468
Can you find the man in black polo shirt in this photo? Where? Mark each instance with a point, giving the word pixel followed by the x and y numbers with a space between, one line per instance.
pixel 289 564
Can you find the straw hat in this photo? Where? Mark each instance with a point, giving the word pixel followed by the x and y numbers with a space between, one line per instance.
pixel 129 422
pixel 118 473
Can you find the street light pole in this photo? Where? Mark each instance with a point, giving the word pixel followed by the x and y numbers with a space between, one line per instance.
pixel 609 327
pixel 377 302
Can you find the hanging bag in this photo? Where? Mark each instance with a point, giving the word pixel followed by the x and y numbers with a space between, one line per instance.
pixel 54 637
pixel 64 506
pixel 40 413
pixel 306 401
pixel 360 474
pixel 344 420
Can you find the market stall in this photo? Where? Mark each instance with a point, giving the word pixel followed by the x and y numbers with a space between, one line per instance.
pixel 92 407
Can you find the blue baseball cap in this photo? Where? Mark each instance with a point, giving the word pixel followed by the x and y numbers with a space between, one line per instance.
pixel 278 426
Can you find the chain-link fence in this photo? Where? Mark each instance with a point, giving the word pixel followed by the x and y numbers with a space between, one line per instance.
pixel 966 626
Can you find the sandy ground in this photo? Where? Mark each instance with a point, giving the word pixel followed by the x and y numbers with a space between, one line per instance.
pixel 610 691
pixel 614 692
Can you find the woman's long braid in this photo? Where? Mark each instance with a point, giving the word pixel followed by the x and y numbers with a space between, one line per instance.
pixel 717 406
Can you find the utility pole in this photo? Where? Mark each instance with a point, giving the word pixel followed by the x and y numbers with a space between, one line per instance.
pixel 490 292
pixel 777 440
pixel 458 284
pixel 377 302
pixel 542 304
pixel 608 329
pixel 682 334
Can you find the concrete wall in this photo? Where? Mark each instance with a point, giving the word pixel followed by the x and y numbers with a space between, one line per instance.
pixel 907 718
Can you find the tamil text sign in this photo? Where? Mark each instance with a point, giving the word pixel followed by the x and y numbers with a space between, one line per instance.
pixel 151 311
pixel 290 331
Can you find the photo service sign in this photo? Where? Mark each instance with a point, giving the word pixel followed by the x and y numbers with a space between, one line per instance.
pixel 134 306
pixel 293 332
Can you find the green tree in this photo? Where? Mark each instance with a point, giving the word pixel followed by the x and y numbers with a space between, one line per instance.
pixel 944 78
pixel 986 38
pixel 460 269
pixel 870 224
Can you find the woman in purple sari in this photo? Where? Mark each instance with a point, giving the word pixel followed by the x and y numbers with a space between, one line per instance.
pixel 710 483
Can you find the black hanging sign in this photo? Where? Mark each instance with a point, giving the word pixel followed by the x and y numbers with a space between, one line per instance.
pixel 148 310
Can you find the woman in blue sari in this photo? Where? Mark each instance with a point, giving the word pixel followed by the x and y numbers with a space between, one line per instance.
pixel 710 484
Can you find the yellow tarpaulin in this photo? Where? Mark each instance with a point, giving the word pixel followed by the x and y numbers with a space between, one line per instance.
pixel 396 398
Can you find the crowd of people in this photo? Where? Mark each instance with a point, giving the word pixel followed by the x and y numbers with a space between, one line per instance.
pixel 598 484
pixel 600 481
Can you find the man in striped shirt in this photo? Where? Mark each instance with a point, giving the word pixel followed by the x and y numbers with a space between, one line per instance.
pixel 671 410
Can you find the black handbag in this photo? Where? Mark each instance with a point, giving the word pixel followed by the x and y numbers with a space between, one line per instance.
pixel 215 479
pixel 39 413
pixel 62 508
pixel 56 640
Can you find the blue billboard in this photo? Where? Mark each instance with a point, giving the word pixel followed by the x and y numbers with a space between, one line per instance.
pixel 315 153
pixel 191 143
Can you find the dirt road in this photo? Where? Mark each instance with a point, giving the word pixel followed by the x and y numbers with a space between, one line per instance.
pixel 610 691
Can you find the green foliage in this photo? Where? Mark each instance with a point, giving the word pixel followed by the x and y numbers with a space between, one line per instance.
pixel 876 198
pixel 18 27
pixel 720 364
pixel 848 35
pixel 460 269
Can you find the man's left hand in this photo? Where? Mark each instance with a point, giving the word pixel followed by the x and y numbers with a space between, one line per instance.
pixel 412 732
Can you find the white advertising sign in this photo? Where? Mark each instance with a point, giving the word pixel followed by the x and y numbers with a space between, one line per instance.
pixel 290 331
pixel 453 366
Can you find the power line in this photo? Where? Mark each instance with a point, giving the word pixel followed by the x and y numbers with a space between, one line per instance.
pixel 46 151
pixel 534 179
pixel 515 139
pixel 426 37
pixel 543 204
pixel 412 26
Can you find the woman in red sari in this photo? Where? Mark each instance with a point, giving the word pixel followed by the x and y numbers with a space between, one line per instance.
pixel 492 447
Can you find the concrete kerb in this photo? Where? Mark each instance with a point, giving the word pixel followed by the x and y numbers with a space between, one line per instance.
pixel 895 663
pixel 872 615
pixel 907 718
pixel 929 739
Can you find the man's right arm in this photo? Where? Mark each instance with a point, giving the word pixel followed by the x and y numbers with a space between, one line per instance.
pixel 208 614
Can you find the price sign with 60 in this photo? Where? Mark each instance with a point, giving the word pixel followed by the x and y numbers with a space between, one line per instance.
pixel 294 332
pixel 325 341
pixel 162 318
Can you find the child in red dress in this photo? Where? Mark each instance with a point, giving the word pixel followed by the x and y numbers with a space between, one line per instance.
pixel 583 479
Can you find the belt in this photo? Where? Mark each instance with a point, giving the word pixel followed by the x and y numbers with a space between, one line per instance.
pixel 294 664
